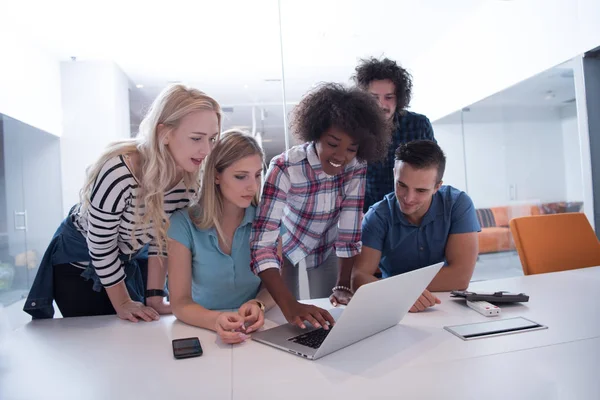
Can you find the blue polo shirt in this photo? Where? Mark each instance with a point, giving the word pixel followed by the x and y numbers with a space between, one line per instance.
pixel 404 246
pixel 219 281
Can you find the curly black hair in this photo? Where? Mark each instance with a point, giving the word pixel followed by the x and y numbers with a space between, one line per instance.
pixel 348 109
pixel 372 69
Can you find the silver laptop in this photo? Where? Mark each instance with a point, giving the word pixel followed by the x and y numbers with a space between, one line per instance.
pixel 375 307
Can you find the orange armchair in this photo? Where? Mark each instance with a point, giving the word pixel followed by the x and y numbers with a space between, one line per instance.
pixel 556 242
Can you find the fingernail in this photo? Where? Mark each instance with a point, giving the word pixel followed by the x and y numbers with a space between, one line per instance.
pixel 243 337
pixel 317 325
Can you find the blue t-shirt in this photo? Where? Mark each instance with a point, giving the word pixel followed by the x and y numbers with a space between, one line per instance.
pixel 404 246
pixel 219 281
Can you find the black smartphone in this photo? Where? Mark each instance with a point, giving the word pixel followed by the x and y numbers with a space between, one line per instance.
pixel 186 348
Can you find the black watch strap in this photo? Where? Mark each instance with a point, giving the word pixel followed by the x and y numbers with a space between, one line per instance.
pixel 155 292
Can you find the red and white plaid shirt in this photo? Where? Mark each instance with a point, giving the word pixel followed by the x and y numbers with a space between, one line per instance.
pixel 314 212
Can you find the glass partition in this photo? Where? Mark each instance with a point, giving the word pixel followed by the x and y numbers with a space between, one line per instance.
pixel 30 203
pixel 516 153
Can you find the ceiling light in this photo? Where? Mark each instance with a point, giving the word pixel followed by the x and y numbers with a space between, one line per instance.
pixel 139 86
pixel 267 140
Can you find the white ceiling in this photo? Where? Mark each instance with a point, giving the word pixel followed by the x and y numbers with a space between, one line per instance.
pixel 550 88
pixel 231 49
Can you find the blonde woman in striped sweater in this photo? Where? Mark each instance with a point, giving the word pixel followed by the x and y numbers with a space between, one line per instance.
pixel 109 254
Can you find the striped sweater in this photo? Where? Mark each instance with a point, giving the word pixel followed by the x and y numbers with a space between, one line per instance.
pixel 109 220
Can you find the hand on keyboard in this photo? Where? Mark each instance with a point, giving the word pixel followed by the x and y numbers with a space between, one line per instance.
pixel 296 313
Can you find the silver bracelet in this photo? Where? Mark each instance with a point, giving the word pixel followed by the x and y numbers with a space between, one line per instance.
pixel 344 288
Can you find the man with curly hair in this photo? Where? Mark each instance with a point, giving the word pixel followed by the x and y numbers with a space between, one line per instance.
pixel 391 86
pixel 313 197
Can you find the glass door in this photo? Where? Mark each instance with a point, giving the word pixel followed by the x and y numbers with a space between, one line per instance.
pixel 30 203
pixel 14 274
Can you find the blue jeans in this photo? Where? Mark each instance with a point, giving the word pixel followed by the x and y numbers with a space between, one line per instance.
pixel 69 245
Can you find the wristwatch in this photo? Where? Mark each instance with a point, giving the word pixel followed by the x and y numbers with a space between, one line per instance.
pixel 155 293
pixel 261 305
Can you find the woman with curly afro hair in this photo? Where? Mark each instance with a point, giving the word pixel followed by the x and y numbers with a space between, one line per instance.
pixel 391 85
pixel 313 197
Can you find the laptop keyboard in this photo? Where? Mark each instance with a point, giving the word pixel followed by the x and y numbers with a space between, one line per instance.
pixel 312 339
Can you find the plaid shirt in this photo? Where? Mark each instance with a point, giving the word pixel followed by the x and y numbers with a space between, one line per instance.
pixel 315 212
pixel 380 176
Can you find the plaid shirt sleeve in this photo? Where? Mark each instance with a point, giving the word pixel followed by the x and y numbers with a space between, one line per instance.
pixel 265 229
pixel 427 130
pixel 349 242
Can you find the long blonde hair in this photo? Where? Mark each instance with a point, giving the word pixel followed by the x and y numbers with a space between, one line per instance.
pixel 158 168
pixel 232 147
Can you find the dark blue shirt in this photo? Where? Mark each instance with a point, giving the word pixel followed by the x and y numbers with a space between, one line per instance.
pixel 409 126
pixel 404 246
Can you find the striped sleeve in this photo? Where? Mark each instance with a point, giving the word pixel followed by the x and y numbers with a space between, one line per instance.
pixel 107 202
pixel 154 249
pixel 265 229
pixel 349 242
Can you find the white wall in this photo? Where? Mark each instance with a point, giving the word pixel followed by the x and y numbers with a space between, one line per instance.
pixel 502 43
pixel 95 100
pixel 449 137
pixel 535 159
pixel 486 163
pixel 29 85
pixel 572 151
pixel 511 156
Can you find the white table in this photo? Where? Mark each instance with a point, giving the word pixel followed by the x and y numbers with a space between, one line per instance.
pixel 102 357
pixel 106 358
pixel 419 358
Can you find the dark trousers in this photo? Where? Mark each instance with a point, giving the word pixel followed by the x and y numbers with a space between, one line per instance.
pixel 75 296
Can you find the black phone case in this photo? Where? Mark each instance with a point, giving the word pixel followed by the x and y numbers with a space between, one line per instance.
pixel 187 354
pixel 497 297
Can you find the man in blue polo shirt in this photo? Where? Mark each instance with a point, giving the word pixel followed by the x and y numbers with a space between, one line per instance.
pixel 420 224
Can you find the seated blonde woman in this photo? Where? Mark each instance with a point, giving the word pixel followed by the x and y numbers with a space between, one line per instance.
pixel 209 251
